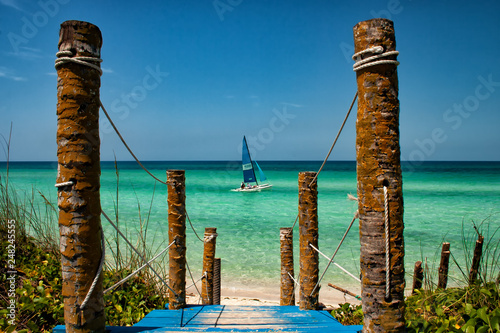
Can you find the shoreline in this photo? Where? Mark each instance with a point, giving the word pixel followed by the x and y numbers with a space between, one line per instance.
pixel 267 296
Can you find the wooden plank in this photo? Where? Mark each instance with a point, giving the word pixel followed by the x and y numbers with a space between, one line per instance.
pixel 220 318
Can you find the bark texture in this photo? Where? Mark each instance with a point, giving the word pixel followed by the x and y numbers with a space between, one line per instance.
pixel 378 164
pixel 444 265
pixel 78 156
pixel 207 285
pixel 287 294
pixel 177 232
pixel 308 234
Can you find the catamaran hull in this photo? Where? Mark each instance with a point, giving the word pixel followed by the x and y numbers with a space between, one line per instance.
pixel 256 188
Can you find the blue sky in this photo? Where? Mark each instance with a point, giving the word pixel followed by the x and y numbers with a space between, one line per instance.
pixel 278 72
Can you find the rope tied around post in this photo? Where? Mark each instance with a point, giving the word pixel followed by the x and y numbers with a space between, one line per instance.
pixel 64 57
pixel 98 274
pixel 375 58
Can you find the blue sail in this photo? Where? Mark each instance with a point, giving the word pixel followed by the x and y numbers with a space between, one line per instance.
pixel 246 161
pixel 262 176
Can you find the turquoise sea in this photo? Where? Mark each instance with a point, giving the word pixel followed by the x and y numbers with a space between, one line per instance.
pixel 441 199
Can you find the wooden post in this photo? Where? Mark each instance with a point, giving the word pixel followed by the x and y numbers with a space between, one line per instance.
pixel 308 234
pixel 217 281
pixel 378 165
pixel 287 290
pixel 418 276
pixel 78 155
pixel 443 266
pixel 476 259
pixel 177 232
pixel 207 285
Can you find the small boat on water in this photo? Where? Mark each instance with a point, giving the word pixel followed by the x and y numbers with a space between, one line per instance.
pixel 250 183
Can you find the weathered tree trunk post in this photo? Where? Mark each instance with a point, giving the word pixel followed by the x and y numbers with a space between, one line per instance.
pixel 378 165
pixel 418 276
pixel 308 235
pixel 444 265
pixel 287 290
pixel 177 232
pixel 78 155
pixel 207 285
pixel 476 259
pixel 217 281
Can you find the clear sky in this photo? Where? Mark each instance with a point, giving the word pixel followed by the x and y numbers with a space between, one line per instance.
pixel 186 79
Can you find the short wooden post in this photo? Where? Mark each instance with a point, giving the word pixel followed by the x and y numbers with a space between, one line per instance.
pixel 476 259
pixel 444 265
pixel 207 285
pixel 287 290
pixel 379 166
pixel 418 276
pixel 217 281
pixel 177 232
pixel 78 155
pixel 308 235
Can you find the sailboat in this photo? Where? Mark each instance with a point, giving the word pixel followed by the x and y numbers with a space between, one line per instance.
pixel 250 183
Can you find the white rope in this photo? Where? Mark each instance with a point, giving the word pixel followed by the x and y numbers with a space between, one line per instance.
pixel 342 268
pixel 64 184
pixel 98 274
pixel 138 253
pixel 195 282
pixel 64 57
pixel 138 270
pixel 374 59
pixel 334 254
pixel 387 253
pixel 210 237
pixel 293 289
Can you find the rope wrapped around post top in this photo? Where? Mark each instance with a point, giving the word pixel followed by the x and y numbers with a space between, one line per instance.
pixel 374 58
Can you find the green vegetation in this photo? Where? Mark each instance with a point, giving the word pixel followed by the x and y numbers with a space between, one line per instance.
pixel 37 278
pixel 472 308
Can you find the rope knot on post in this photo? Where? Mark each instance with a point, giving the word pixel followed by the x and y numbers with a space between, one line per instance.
pixel 373 56
pixel 64 57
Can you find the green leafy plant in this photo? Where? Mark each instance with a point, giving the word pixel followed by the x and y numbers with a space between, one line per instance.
pixel 348 314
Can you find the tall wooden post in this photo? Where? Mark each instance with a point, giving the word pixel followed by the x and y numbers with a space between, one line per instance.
pixel 217 277
pixel 78 155
pixel 308 235
pixel 444 265
pixel 177 232
pixel 287 290
pixel 207 285
pixel 378 165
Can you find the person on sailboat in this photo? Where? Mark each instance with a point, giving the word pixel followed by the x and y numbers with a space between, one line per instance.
pixel 242 185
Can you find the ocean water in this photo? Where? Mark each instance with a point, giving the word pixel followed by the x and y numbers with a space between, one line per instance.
pixel 441 201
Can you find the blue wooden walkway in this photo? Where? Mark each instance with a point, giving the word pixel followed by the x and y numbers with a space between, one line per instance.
pixel 234 318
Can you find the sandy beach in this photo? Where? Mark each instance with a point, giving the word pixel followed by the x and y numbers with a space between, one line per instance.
pixel 269 296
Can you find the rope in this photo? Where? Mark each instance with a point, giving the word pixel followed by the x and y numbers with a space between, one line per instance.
pixel 336 138
pixel 138 253
pixel 294 285
pixel 64 184
pixel 210 237
pixel 99 270
pixel 342 268
pixel 63 57
pixel 138 270
pixel 192 227
pixel 387 263
pixel 335 253
pixel 128 148
pixel 373 60
pixel 192 279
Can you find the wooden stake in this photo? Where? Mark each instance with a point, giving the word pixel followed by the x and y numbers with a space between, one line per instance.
pixel 443 266
pixel 418 276
pixel 78 156
pixel 177 232
pixel 207 285
pixel 287 290
pixel 378 164
pixel 478 252
pixel 308 234
pixel 217 281
pixel 345 291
